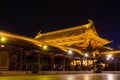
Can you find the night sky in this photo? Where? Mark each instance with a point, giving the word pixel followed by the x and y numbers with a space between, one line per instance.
pixel 27 18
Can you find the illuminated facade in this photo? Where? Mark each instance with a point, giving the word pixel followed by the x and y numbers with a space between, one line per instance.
pixel 76 38
pixel 19 52
pixel 81 39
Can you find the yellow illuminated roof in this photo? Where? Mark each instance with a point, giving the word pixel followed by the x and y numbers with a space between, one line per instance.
pixel 14 36
pixel 78 36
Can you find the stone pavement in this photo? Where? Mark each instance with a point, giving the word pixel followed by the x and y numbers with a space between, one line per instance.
pixel 29 73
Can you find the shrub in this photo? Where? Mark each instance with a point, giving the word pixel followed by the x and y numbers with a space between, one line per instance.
pixel 98 67
pixel 36 67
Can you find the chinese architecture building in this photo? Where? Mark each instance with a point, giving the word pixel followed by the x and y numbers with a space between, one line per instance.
pixel 77 38
pixel 19 52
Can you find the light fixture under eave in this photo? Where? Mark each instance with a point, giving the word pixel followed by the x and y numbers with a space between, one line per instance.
pixel 3 39
pixel 45 47
pixel 86 55
pixel 70 51
pixel 109 56
pixel 2 46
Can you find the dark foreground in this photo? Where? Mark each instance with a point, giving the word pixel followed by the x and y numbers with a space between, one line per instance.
pixel 98 76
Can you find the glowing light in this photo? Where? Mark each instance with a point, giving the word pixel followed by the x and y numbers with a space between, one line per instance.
pixel 86 55
pixel 109 56
pixel 112 58
pixel 6 34
pixel 3 39
pixel 84 62
pixel 70 51
pixel 45 47
pixel 2 45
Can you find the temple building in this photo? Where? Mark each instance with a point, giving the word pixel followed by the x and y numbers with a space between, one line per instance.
pixel 82 39
pixel 77 38
pixel 19 52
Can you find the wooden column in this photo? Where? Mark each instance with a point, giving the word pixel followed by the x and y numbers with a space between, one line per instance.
pixel 82 64
pixel 73 64
pixel 87 63
pixel 52 62
pixel 39 57
pixel 20 60
pixel 64 63
pixel 115 66
pixel 93 64
pixel 25 63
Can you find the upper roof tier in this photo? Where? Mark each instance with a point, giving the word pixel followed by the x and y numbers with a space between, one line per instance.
pixel 77 30
pixel 77 33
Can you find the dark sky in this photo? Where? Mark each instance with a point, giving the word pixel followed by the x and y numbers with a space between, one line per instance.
pixel 27 18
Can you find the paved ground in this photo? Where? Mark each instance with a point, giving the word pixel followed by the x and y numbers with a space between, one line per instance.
pixel 29 73
pixel 99 76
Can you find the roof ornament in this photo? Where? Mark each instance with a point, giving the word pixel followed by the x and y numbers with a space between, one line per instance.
pixel 90 24
pixel 90 21
pixel 89 48
pixel 39 34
